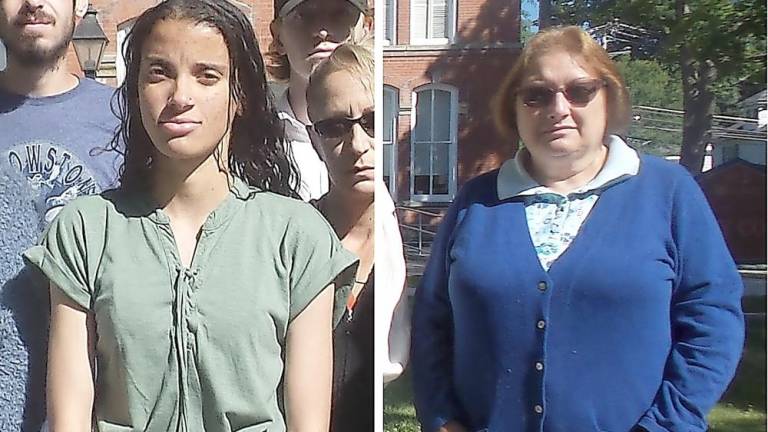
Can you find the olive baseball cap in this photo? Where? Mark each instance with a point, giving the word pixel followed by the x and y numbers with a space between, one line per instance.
pixel 283 7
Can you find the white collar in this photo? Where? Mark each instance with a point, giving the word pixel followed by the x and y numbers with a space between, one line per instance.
pixel 295 130
pixel 514 180
pixel 383 198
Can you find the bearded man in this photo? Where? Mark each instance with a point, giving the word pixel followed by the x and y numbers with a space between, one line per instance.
pixel 54 127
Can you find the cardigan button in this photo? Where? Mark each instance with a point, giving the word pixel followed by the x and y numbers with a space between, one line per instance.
pixel 541 324
pixel 539 366
pixel 542 286
pixel 538 409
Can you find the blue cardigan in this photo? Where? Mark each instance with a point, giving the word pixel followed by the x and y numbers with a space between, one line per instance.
pixel 639 322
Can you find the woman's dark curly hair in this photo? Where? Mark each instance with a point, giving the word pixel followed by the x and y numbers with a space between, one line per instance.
pixel 257 150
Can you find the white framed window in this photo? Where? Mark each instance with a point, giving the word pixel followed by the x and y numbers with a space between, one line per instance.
pixel 433 22
pixel 434 120
pixel 123 30
pixel 390 22
pixel 391 108
pixel 3 57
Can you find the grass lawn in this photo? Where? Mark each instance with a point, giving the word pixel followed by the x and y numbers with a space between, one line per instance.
pixel 741 409
pixel 399 415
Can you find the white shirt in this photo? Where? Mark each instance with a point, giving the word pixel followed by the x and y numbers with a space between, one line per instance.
pixel 392 308
pixel 314 174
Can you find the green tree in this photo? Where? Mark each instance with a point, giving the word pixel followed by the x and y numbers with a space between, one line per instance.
pixel 650 84
pixel 526 22
pixel 717 46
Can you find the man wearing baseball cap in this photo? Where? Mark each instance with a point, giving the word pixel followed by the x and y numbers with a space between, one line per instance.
pixel 304 33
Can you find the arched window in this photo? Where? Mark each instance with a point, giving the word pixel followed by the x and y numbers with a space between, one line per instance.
pixel 434 121
pixel 391 108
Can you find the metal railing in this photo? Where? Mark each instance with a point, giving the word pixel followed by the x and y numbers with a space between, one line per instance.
pixel 420 240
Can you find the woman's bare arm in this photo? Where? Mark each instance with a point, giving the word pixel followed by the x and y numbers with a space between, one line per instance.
pixel 308 366
pixel 70 365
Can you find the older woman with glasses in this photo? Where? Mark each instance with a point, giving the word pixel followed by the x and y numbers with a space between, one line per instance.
pixel 582 286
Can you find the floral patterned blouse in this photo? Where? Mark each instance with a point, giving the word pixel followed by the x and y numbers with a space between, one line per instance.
pixel 555 219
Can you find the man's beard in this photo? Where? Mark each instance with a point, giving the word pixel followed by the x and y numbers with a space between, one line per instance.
pixel 26 51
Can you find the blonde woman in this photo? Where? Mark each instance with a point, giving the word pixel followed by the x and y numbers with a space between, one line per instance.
pixel 341 107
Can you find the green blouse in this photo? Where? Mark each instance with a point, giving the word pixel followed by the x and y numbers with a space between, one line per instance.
pixel 198 348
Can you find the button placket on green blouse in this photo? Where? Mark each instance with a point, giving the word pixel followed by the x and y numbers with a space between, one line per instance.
pixel 185 285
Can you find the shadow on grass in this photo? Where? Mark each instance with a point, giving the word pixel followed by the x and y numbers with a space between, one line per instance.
pixel 747 390
pixel 399 391
pixel 398 418
pixel 399 414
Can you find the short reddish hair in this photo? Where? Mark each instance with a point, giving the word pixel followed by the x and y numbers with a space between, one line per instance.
pixel 594 58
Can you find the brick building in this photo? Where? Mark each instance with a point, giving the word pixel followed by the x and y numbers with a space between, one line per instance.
pixel 443 61
pixel 116 18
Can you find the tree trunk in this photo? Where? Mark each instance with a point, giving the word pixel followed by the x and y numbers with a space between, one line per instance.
pixel 545 14
pixel 698 103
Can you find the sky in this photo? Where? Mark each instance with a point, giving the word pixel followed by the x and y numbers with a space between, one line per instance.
pixel 532 7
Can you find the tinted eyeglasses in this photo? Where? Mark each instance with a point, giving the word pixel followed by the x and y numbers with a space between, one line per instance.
pixel 339 127
pixel 579 93
pixel 336 14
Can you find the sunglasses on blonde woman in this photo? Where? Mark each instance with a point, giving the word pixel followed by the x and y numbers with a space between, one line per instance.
pixel 339 127
pixel 579 92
